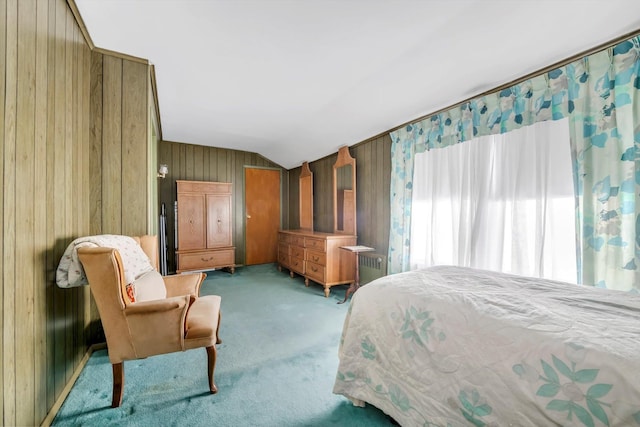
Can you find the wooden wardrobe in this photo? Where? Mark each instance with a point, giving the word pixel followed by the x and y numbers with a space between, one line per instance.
pixel 204 226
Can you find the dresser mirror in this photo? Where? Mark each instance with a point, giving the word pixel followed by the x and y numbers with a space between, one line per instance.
pixel 344 193
pixel 306 198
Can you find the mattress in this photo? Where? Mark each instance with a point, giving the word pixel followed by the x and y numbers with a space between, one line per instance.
pixel 450 346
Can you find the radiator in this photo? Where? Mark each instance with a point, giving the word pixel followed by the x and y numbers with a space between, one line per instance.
pixel 372 266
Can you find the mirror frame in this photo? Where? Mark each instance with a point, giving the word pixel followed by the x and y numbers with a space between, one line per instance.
pixel 344 159
pixel 306 198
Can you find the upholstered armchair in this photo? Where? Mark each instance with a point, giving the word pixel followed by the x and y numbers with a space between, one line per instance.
pixel 164 315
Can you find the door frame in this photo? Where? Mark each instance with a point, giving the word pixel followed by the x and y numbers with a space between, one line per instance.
pixel 244 199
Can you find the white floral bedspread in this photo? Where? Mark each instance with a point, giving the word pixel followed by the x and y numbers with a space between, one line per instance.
pixel 134 261
pixel 450 346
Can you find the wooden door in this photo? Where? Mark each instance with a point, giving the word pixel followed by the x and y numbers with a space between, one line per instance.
pixel 262 209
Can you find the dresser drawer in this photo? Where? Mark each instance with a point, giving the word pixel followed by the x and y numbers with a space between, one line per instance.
pixel 315 272
pixel 283 259
pixel 317 244
pixel 284 238
pixel 297 252
pixel 283 254
pixel 203 187
pixel 283 247
pixel 206 259
pixel 317 257
pixel 296 264
pixel 297 241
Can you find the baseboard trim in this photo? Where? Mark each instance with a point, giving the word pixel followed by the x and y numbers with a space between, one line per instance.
pixel 67 388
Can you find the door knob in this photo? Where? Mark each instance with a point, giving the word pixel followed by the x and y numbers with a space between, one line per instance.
pixel 248 216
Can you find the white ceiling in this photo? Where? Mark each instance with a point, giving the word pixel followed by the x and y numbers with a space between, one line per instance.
pixel 294 80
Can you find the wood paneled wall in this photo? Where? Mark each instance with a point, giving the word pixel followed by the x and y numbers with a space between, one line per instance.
pixel 119 145
pixel 373 180
pixel 199 163
pixel 73 162
pixel 44 170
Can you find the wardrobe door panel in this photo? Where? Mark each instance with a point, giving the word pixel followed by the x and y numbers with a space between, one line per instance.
pixel 191 221
pixel 219 220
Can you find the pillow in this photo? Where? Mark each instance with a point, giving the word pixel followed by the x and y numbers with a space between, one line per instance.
pixel 135 262
pixel 149 286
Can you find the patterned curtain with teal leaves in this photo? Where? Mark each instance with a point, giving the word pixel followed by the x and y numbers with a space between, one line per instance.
pixel 600 95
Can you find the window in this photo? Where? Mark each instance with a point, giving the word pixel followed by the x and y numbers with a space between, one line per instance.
pixel 500 202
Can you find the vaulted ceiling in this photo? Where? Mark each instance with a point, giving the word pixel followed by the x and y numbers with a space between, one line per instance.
pixel 294 80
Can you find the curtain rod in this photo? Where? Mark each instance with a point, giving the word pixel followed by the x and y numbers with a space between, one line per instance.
pixel 519 80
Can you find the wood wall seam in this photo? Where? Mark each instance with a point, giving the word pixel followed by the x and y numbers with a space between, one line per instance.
pixel 9 217
pixel 24 225
pixel 121 55
pixel 83 28
pixel 156 101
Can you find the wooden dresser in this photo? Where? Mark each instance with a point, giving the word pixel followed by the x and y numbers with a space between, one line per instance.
pixel 317 256
pixel 204 226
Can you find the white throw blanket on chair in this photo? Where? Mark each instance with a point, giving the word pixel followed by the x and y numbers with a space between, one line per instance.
pixel 135 262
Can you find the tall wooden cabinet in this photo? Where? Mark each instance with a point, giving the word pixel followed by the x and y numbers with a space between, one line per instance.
pixel 204 226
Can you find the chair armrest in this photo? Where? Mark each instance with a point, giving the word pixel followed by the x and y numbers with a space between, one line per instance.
pixel 184 284
pixel 157 326
pixel 155 306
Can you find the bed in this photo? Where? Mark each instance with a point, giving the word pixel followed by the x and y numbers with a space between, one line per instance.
pixel 452 346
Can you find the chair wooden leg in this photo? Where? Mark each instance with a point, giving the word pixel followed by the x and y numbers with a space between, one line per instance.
pixel 211 356
pixel 118 384
pixel 218 340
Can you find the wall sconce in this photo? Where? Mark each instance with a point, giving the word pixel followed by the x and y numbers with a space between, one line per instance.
pixel 163 171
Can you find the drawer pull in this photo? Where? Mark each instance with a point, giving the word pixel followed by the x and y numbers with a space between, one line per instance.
pixel 315 270
pixel 316 259
pixel 205 260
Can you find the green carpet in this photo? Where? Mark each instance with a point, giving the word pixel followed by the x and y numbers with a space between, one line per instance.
pixel 276 365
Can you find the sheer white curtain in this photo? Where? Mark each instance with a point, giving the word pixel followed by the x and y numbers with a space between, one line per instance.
pixel 500 202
